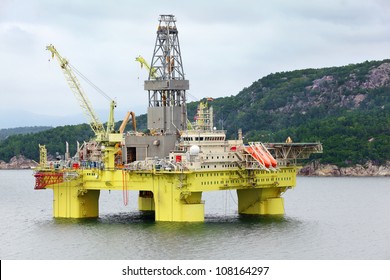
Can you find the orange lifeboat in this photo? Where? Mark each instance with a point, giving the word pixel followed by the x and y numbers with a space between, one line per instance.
pixel 264 156
pixel 259 156
pixel 264 152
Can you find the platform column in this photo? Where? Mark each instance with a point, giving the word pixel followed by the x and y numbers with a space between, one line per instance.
pixel 173 204
pixel 260 202
pixel 146 201
pixel 70 201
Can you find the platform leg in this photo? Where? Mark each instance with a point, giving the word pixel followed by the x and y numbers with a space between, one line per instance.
pixel 146 201
pixel 260 202
pixel 69 201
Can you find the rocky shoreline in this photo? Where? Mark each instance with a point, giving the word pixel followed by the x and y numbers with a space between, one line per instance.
pixel 18 162
pixel 329 170
pixel 313 169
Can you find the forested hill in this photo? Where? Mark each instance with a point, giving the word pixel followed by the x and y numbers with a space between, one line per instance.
pixel 346 108
pixel 6 132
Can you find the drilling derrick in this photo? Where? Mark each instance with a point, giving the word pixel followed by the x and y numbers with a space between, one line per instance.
pixel 167 86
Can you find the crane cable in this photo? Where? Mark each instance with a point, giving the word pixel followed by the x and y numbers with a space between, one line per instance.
pixel 90 83
pixel 192 96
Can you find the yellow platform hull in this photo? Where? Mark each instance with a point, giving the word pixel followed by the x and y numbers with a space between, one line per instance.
pixel 173 196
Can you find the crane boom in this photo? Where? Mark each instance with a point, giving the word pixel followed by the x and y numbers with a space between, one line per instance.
pixel 152 71
pixel 78 92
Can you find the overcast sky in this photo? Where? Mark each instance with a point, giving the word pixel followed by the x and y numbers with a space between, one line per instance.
pixel 226 45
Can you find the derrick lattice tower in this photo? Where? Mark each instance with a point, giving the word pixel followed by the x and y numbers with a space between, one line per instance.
pixel 167 85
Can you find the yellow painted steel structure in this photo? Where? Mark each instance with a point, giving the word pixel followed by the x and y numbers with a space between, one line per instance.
pixel 176 162
pixel 173 195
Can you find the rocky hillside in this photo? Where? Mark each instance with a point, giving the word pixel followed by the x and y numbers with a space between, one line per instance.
pixel 326 170
pixel 18 162
pixel 346 108
pixel 290 98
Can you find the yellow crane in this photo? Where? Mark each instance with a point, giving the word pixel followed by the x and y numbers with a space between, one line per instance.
pixel 152 71
pixel 102 135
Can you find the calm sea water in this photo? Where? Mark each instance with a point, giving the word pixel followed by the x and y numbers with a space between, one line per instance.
pixel 326 218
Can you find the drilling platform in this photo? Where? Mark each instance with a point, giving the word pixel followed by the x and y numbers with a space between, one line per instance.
pixel 175 161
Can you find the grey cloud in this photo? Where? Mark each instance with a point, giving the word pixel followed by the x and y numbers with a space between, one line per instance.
pixel 226 45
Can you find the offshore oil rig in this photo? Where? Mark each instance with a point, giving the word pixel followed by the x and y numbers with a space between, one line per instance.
pixel 175 161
